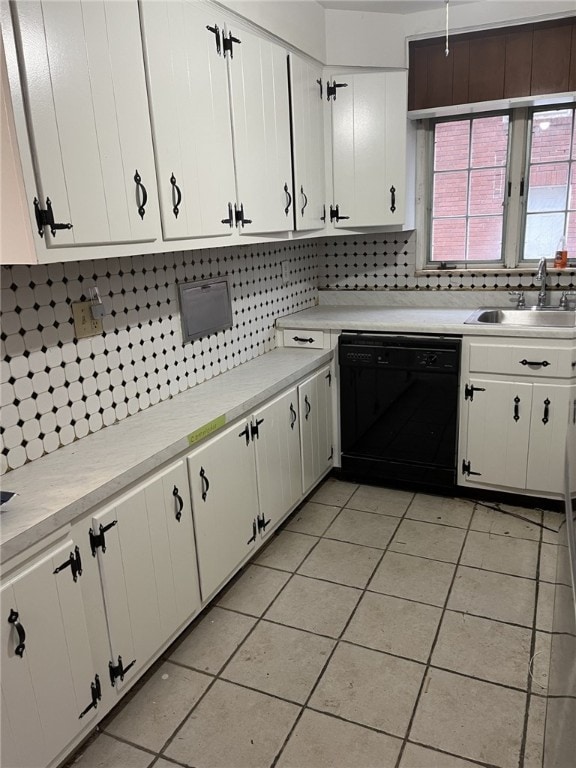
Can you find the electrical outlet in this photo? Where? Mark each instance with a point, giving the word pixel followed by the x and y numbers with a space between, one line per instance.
pixel 285 272
pixel 84 322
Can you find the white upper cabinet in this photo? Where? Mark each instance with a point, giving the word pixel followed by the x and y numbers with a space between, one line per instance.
pixel 308 143
pixel 369 149
pixel 81 68
pixel 261 128
pixel 188 91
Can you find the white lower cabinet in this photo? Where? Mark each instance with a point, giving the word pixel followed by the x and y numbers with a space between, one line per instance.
pixel 225 501
pixel 315 402
pixel 145 548
pixel 47 670
pixel 277 448
pixel 515 429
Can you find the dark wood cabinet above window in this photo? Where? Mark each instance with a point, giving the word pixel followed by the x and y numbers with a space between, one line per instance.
pixel 526 60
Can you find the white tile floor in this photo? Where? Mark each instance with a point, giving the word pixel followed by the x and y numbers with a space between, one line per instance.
pixel 377 628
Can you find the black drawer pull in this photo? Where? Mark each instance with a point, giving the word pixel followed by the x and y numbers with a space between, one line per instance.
pixel 178 194
pixel 13 619
pixel 289 196
pixel 302 340
pixel 546 411
pixel 392 199
pixel 292 416
pixel 543 363
pixel 516 408
pixel 180 503
pixel 140 188
pixel 205 484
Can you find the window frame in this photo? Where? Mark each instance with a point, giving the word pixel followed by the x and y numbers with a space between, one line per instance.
pixel 515 203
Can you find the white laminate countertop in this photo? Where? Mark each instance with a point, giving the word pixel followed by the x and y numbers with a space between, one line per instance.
pixel 409 320
pixel 59 487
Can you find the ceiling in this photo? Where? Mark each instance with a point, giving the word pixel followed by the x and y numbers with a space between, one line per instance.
pixel 388 6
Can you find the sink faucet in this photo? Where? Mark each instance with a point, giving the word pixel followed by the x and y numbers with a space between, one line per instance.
pixel 541 275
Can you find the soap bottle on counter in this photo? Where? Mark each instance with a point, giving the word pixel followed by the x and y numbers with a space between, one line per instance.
pixel 561 257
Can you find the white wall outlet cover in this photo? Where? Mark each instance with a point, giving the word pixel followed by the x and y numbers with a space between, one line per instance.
pixel 85 324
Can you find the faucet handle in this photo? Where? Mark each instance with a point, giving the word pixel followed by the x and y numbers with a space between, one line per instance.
pixel 521 302
pixel 564 298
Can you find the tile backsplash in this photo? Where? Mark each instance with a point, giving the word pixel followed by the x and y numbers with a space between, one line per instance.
pixel 56 389
pixel 387 261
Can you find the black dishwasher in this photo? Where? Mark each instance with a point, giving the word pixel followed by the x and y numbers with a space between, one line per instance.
pixel 399 408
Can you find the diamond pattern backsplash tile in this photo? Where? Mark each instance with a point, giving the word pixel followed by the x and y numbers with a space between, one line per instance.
pixel 387 261
pixel 56 389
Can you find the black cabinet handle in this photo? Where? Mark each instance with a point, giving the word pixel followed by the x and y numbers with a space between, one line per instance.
pixel 254 531
pixel 546 411
pixel 230 219
pixel 175 193
pixel 292 416
pixel 289 196
pixel 543 363
pixel 141 191
pixel 308 407
pixel 205 484
pixel 319 81
pixel 216 31
pixel 179 502
pixel 392 199
pixel 305 200
pixel 303 340
pixel 13 619
pixel 516 408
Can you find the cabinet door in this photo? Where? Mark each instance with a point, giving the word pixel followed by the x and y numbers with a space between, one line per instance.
pixel 83 72
pixel 278 466
pixel 551 414
pixel 308 143
pixel 147 567
pixel 369 149
pixel 261 129
pixel 225 503
pixel 44 690
pixel 315 402
pixel 188 91
pixel 498 432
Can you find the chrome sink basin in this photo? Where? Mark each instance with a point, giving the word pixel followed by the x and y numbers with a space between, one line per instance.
pixel 533 318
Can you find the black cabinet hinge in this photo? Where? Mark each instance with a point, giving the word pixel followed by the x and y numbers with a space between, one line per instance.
pixel 240 216
pixel 74 563
pixel 469 391
pixel 45 218
pixel 96 692
pixel 228 42
pixel 254 533
pixel 216 32
pixel 466 470
pixel 335 214
pixel 262 522
pixel 119 670
pixel 255 428
pixel 98 539
pixel 331 89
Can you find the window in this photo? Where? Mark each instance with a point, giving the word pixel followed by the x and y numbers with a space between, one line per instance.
pixel 502 187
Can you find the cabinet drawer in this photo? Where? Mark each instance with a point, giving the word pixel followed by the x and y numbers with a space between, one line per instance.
pixel 305 338
pixel 522 359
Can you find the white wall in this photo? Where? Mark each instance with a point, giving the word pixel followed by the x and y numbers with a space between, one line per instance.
pixel 299 22
pixel 379 40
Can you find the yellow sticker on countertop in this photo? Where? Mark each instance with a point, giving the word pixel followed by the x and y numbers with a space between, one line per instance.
pixel 206 429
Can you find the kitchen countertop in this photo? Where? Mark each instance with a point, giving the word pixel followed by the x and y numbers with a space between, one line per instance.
pixel 56 489
pixel 410 320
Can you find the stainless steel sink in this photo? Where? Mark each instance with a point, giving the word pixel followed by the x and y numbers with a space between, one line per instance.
pixel 534 318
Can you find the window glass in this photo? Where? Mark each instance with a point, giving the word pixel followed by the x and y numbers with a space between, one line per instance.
pixel 550 201
pixel 468 189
